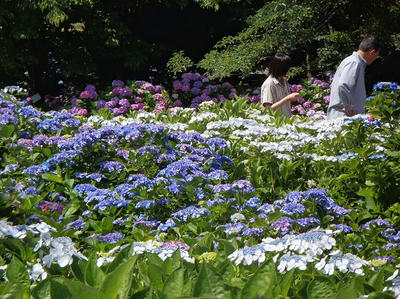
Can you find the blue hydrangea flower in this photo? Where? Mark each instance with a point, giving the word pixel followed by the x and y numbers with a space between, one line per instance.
pixel 29 111
pixel 145 204
pixel 345 228
pixel 307 221
pixel 292 208
pixel 252 203
pixel 377 222
pixel 77 224
pixel 9 168
pixel 191 211
pixel 111 238
pixel 111 166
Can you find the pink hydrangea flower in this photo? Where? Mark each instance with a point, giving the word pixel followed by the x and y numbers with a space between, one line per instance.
pixel 158 96
pixel 85 95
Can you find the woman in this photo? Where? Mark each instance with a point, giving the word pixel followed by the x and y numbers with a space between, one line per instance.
pixel 275 91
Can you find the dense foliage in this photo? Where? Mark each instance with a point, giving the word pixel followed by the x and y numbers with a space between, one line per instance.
pixel 45 42
pixel 222 200
pixel 318 34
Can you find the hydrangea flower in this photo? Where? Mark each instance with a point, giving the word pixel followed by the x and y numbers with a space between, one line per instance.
pixel 61 251
pixel 343 262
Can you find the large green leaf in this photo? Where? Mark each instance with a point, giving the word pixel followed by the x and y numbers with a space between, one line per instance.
pixel 261 283
pixel 118 282
pixel 42 290
pixel 209 284
pixel 10 290
pixel 78 269
pixel 77 289
pixel 155 274
pixel 286 282
pixel 6 131
pixel 174 286
pixel 377 281
pixel 94 276
pixel 321 287
pixel 52 177
pixel 17 273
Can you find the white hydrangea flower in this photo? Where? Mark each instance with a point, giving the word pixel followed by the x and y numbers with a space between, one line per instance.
pixel 44 229
pixel 11 231
pixel 210 134
pixel 156 247
pixel 103 260
pixel 343 262
pixel 202 117
pixel 177 127
pixel 248 255
pixel 62 250
pixel 290 261
pixel 237 217
pixel 37 272
pixel 312 243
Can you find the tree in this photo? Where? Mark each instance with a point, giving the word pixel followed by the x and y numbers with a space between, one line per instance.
pixel 318 33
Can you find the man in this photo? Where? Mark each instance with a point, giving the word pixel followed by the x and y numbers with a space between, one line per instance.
pixel 348 93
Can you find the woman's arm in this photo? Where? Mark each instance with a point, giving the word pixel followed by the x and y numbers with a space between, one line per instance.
pixel 289 98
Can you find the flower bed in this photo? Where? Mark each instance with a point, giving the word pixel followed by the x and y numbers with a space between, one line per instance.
pixel 218 201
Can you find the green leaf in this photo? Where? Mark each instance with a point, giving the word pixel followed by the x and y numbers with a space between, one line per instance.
pixel 380 295
pixel 321 287
pixel 286 282
pixel 121 257
pixel 155 274
pixel 52 177
pixel 7 131
pixel 9 290
pixel 261 283
pixel 366 192
pixel 78 269
pixel 209 284
pixel 377 281
pixel 348 293
pixel 77 289
pixel 94 276
pixel 17 273
pixel 118 282
pixel 42 290
pixel 174 286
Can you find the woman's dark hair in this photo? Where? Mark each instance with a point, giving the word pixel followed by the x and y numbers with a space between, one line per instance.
pixel 370 43
pixel 279 65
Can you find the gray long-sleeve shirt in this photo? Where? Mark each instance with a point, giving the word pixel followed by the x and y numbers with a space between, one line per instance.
pixel 348 87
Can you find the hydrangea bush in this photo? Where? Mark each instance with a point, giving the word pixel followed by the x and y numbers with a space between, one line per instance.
pixel 218 200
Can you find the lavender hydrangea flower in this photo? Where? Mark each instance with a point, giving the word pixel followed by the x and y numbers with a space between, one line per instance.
pixel 282 224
